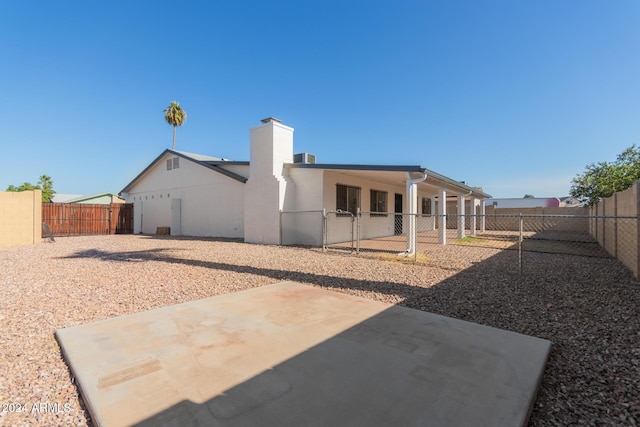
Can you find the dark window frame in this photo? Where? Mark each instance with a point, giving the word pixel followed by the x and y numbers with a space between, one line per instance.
pixel 426 203
pixel 374 202
pixel 348 198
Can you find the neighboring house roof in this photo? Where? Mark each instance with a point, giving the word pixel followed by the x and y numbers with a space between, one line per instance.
pixel 89 197
pixel 524 202
pixel 62 198
pixel 570 201
pixel 206 161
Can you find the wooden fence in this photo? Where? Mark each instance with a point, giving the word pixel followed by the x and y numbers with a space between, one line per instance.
pixel 76 219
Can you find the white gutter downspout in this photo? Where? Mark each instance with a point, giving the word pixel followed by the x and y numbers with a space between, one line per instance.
pixel 412 210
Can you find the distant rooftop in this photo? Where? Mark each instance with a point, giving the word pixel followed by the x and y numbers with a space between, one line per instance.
pixel 63 198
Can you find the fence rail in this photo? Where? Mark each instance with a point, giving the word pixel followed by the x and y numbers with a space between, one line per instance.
pixel 75 219
pixel 421 237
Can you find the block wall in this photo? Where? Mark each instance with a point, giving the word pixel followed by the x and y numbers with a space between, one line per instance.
pixel 20 218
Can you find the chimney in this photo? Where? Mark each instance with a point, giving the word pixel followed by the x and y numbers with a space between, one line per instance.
pixel 271 148
pixel 265 190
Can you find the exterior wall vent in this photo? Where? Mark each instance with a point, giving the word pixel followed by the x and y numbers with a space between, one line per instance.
pixel 304 158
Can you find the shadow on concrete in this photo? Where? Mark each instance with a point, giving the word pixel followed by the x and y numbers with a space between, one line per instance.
pixel 399 367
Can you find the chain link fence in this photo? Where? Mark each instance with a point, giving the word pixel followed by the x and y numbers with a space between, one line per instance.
pixel 303 228
pixel 465 239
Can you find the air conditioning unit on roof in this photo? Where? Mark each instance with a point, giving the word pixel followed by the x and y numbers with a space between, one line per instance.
pixel 304 158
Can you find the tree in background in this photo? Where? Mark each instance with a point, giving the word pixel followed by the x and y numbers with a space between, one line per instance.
pixel 45 184
pixel 603 179
pixel 175 116
pixel 27 186
pixel 529 196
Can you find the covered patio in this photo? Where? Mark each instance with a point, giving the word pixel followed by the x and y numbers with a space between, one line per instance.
pixel 420 201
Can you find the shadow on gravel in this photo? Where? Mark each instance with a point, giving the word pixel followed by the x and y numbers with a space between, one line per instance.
pixel 403 290
pixel 588 307
pixel 195 238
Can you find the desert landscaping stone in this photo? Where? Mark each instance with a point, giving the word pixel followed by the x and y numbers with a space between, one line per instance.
pixel 588 307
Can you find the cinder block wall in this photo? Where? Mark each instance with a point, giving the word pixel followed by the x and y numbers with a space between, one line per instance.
pixel 539 223
pixel 620 236
pixel 20 218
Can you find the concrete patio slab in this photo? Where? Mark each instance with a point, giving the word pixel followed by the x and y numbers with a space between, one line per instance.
pixel 295 355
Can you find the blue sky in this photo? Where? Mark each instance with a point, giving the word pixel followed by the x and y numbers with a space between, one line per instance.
pixel 514 96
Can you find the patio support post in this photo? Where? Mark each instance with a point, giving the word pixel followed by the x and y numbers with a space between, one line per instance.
pixel 482 216
pixel 460 216
pixel 412 210
pixel 474 211
pixel 442 214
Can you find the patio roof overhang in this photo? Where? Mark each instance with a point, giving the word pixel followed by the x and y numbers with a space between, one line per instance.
pixel 398 175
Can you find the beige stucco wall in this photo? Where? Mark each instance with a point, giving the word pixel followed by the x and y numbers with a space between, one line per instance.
pixel 20 218
pixel 545 222
pixel 620 236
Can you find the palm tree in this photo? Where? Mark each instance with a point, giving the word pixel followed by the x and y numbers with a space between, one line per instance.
pixel 175 116
pixel 46 185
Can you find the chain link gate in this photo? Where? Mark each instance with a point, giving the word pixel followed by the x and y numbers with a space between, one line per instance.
pixel 341 231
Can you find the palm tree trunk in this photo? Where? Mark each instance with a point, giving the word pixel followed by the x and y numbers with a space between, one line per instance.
pixel 173 146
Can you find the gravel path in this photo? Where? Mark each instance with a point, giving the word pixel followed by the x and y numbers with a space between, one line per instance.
pixel 588 307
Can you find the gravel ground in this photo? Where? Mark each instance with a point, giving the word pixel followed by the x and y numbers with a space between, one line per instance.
pixel 588 307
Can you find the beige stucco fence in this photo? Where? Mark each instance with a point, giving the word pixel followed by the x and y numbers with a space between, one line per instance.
pixel 20 218
pixel 615 226
pixel 538 219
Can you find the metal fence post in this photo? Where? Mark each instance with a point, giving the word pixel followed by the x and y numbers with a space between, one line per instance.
pixel 352 225
pixel 280 227
pixel 358 214
pixel 324 230
pixel 615 223
pixel 520 246
pixel 415 238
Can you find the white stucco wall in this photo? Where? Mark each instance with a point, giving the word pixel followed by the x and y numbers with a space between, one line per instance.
pixel 211 203
pixel 268 189
pixel 308 184
pixel 304 228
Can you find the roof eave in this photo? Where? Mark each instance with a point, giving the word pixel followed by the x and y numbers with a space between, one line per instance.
pixel 357 167
pixel 391 168
pixel 214 166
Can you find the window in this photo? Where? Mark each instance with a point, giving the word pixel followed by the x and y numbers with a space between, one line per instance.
pixel 347 198
pixel 378 201
pixel 169 164
pixel 426 206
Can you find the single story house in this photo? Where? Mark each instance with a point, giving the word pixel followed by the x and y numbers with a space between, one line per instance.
pixel 200 195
